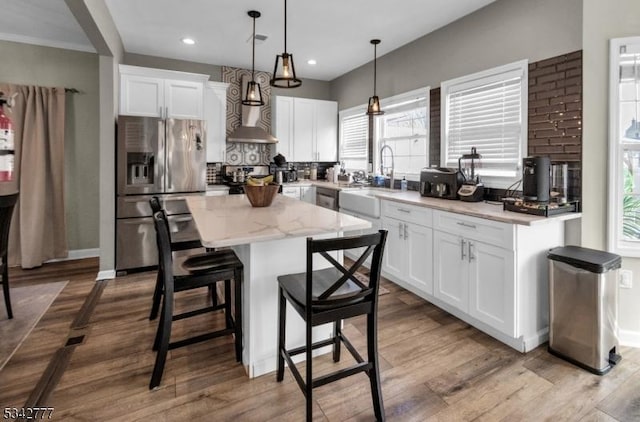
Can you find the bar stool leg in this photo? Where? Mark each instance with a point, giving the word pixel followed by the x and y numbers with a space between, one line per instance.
pixel 309 379
pixel 237 283
pixel 374 373
pixel 337 332
pixel 162 337
pixel 282 319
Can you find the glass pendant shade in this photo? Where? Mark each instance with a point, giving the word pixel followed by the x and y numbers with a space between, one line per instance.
pixel 374 102
pixel 374 106
pixel 253 93
pixel 284 72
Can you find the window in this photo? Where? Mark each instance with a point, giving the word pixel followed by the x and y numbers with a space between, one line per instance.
pixel 624 147
pixel 404 128
pixel 488 111
pixel 354 136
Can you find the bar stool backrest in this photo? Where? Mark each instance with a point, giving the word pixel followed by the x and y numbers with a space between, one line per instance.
pixel 7 204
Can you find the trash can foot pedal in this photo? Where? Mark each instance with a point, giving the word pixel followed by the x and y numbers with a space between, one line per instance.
pixel 614 358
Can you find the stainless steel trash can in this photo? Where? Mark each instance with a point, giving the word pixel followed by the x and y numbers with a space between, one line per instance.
pixel 583 307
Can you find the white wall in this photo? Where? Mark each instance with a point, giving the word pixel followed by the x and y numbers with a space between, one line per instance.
pixel 603 20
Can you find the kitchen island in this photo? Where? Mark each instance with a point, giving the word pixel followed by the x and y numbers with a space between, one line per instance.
pixel 270 241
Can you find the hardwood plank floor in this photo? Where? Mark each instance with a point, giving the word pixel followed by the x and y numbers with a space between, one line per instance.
pixel 433 367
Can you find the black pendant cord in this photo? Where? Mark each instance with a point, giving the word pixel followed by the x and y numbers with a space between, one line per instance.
pixel 285 26
pixel 253 52
pixel 375 66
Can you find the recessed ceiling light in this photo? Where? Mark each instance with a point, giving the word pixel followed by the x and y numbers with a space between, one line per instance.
pixel 311 62
pixel 188 41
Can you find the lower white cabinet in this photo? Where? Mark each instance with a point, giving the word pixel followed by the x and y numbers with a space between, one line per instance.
pixel 375 226
pixel 477 278
pixel 491 274
pixel 304 193
pixel 291 191
pixel 308 194
pixel 408 255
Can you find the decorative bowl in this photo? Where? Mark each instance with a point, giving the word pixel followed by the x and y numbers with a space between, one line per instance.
pixel 261 196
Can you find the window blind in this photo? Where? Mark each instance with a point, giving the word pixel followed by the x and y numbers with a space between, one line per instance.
pixel 354 136
pixel 486 113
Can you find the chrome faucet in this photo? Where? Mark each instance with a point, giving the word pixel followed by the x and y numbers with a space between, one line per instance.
pixel 392 180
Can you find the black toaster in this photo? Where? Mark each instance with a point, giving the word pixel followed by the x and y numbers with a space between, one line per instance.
pixel 440 182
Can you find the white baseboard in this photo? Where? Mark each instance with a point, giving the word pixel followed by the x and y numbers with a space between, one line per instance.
pixel 629 338
pixel 79 254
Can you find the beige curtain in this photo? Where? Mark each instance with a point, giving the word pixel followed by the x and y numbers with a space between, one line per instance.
pixel 38 229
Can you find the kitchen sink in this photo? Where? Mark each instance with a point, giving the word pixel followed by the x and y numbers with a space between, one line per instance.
pixel 362 201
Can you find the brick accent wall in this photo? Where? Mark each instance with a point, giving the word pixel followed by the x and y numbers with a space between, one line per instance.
pixel 434 127
pixel 555 115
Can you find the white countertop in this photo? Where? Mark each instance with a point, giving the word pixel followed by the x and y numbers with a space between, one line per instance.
pixel 231 220
pixel 490 211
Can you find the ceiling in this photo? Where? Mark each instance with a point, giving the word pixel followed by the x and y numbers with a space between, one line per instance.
pixel 336 33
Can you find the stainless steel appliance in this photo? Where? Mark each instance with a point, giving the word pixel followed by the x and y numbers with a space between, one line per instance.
pixel 440 182
pixel 327 198
pixel 289 173
pixel 155 157
pixel 535 179
pixel 583 306
pixel 559 183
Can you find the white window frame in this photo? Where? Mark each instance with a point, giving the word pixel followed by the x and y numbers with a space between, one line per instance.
pixel 615 241
pixel 356 111
pixel 388 105
pixel 510 174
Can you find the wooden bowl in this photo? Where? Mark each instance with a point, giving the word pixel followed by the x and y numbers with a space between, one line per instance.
pixel 261 196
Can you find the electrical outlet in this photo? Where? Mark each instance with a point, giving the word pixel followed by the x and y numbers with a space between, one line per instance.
pixel 626 279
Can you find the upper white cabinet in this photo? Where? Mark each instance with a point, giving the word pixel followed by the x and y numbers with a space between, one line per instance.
pixel 307 129
pixel 161 93
pixel 215 116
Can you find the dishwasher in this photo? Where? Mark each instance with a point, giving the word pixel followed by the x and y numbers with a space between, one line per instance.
pixel 327 198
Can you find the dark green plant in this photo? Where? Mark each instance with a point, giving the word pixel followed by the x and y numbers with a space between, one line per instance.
pixel 630 209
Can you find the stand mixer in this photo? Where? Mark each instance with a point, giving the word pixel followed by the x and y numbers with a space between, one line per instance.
pixel 472 189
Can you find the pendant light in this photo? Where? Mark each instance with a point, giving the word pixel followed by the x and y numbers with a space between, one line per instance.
pixel 374 102
pixel 284 73
pixel 253 95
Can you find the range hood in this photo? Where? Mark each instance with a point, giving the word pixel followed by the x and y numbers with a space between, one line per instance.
pixel 249 132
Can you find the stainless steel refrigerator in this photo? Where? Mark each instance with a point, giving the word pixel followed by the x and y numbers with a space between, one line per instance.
pixel 162 157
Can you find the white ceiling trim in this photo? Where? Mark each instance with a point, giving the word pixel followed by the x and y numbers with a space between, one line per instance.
pixel 46 42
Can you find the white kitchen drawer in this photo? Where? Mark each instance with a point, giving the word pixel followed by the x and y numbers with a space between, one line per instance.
pixel 407 213
pixel 482 230
pixel 291 191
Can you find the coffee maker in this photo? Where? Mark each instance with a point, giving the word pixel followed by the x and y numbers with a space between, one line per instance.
pixel 535 179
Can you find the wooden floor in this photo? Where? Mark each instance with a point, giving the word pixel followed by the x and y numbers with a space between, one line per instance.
pixel 434 367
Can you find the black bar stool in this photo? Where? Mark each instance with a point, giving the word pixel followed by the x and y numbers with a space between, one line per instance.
pixel 331 295
pixel 184 245
pixel 201 270
pixel 7 204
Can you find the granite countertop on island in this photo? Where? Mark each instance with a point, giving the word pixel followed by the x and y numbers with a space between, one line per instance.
pixel 231 220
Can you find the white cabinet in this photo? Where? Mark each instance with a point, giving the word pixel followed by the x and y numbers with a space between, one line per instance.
pixel 307 129
pixel 474 268
pixel 291 191
pixel 215 116
pixel 161 93
pixel 375 226
pixel 408 254
pixel 491 274
pixel 308 194
pixel 304 193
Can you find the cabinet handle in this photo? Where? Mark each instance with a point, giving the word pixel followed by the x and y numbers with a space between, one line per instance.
pixel 462 254
pixel 471 226
pixel 403 210
pixel 406 232
pixel 471 256
pixel 166 112
pixel 400 231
